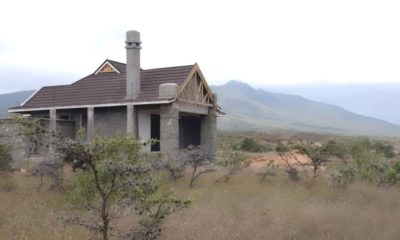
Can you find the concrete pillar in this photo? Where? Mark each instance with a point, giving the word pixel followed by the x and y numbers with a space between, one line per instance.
pixel 131 121
pixel 169 130
pixel 90 123
pixel 52 128
pixel 208 134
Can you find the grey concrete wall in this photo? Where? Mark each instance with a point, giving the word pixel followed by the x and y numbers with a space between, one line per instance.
pixel 9 135
pixel 169 130
pixel 64 127
pixel 208 134
pixel 110 121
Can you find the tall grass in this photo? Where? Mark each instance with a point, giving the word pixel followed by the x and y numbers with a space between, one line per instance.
pixel 245 209
pixel 242 209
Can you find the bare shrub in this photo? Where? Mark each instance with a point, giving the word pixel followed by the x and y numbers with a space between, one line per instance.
pixel 198 158
pixel 234 161
pixel 344 176
pixel 175 168
pixel 33 130
pixel 269 171
pixel 285 152
pixel 153 211
pixel 52 169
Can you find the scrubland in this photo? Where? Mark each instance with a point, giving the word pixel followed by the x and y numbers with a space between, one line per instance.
pixel 244 208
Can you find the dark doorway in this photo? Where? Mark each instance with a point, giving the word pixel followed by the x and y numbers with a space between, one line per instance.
pixel 189 131
pixel 83 120
pixel 155 132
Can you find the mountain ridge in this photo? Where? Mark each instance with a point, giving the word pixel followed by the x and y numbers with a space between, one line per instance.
pixel 13 99
pixel 248 108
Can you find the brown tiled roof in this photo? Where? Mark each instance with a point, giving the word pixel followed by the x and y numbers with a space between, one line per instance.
pixel 106 88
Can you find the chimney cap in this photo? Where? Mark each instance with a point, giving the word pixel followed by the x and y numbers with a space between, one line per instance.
pixel 133 36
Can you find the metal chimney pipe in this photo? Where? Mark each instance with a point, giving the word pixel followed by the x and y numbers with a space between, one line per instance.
pixel 133 46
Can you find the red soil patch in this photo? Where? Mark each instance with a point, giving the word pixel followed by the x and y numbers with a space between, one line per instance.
pixel 260 160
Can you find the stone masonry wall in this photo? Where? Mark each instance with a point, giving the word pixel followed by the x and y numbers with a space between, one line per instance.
pixel 9 135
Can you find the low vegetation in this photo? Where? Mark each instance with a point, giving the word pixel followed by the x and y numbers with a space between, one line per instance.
pixel 5 157
pixel 251 145
pixel 309 187
pixel 233 161
pixel 197 158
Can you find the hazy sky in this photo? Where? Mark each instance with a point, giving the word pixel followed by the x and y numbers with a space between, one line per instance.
pixel 46 42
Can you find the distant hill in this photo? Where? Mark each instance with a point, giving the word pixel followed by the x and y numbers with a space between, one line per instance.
pixel 374 100
pixel 251 109
pixel 11 100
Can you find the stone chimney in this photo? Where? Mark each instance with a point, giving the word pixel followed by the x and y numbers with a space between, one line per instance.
pixel 133 46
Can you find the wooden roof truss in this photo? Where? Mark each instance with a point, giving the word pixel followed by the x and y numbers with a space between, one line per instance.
pixel 195 89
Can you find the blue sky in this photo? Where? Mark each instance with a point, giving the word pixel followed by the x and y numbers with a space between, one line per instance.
pixel 286 42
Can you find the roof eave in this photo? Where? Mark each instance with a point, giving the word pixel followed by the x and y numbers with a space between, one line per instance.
pixel 21 110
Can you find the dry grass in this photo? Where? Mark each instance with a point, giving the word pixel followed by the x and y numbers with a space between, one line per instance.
pixel 245 209
pixel 242 209
pixel 26 213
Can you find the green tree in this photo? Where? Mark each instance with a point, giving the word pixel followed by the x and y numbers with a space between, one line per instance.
pixel 250 145
pixel 111 173
pixel 318 155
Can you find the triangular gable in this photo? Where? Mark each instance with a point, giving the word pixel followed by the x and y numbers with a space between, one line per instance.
pixel 195 88
pixel 107 67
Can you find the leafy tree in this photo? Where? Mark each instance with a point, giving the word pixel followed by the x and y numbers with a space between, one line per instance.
pixel 386 149
pixel 372 164
pixel 334 149
pixel 318 155
pixel 198 158
pixel 250 145
pixel 110 174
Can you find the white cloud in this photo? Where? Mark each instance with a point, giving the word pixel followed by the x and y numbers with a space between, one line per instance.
pixel 271 42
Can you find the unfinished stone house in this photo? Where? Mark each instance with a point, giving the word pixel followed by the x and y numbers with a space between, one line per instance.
pixel 174 105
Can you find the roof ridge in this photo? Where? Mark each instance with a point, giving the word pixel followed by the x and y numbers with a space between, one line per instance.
pixel 180 66
pixel 186 65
